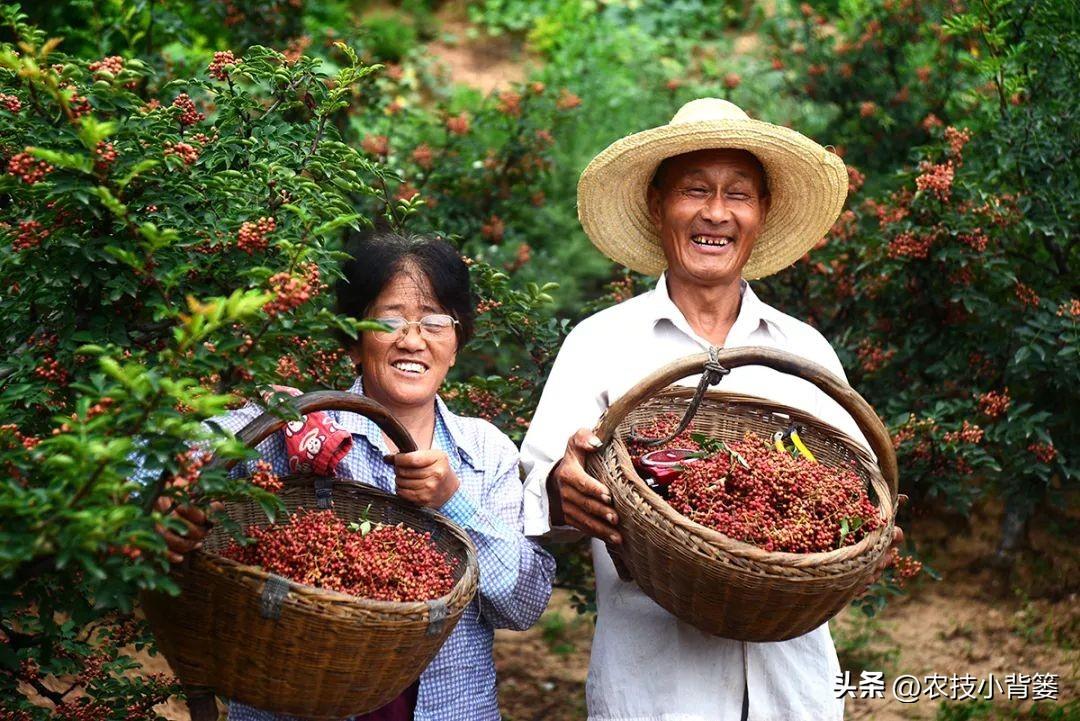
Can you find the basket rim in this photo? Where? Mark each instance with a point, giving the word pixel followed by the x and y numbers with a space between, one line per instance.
pixel 749 551
pixel 257 573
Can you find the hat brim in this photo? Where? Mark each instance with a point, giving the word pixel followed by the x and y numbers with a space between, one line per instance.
pixel 807 184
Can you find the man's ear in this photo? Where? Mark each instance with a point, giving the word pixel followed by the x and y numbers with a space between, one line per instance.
pixel 766 204
pixel 654 198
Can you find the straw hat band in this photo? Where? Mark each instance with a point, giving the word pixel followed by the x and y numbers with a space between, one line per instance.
pixel 808 186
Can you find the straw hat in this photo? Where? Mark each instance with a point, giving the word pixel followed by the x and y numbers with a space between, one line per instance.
pixel 808 185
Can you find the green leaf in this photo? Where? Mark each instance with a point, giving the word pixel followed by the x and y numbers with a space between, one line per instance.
pixel 110 201
pixel 338 222
pixel 158 238
pixel 136 170
pixel 68 161
pixel 92 131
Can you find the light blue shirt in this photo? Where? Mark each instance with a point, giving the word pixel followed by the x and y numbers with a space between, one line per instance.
pixel 515 573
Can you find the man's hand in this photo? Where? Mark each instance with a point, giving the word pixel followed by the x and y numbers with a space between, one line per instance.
pixel 425 477
pixel 586 502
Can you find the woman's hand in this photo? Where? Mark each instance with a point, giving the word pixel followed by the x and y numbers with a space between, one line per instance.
pixel 424 477
pixel 195 519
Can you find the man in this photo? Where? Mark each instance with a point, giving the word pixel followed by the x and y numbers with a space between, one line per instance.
pixel 706 202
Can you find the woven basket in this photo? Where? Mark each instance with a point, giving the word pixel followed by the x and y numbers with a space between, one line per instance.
pixel 719 585
pixel 243 634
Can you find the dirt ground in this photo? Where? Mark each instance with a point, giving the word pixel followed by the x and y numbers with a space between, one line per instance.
pixel 969 622
pixel 473 58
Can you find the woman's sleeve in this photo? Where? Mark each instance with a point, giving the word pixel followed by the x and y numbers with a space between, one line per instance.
pixel 515 572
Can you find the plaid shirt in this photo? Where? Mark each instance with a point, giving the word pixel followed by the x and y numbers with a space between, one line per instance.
pixel 515 573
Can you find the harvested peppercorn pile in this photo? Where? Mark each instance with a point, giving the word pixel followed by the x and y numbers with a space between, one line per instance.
pixel 752 492
pixel 317 548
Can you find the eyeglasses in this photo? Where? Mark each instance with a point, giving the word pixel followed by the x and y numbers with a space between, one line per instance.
pixel 437 326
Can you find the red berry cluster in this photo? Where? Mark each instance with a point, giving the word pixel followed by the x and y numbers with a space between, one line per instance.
pixel 904 568
pixel 662 426
pixel 509 103
pixel 458 124
pixel 28 442
pixel 1070 307
pixel 27 168
pixel 317 548
pixel 486 404
pixel 494 229
pixel 376 145
pixel 190 463
pixel 104 155
pixel 292 291
pixel 567 100
pixel 521 258
pixel 937 178
pixel 1026 295
pixel 406 192
pixel 486 306
pixel 29 669
pixel 968 433
pixel 957 138
pixel 50 370
pixel 91 668
pixel 189 114
pixel 994 404
pixel 423 156
pixel 30 235
pixel 855 179
pixel 78 104
pixel 1043 452
pixel 287 368
pixel 909 245
pixel 253 235
pixel 11 103
pixel 219 66
pixel 188 153
pixel 976 239
pixel 324 364
pixel 265 478
pixel 750 491
pixel 203 139
pixel 298 46
pixel 112 65
pixel 620 290
pixel 82 709
pixel 872 357
pixel 930 122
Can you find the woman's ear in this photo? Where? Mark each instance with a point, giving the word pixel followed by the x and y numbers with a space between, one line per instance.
pixel 354 352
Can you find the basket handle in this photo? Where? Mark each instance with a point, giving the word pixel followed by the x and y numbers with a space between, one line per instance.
pixel 839 391
pixel 267 424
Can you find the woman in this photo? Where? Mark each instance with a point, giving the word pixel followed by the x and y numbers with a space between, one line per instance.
pixel 466 468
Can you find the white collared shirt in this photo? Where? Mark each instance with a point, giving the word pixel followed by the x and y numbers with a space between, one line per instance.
pixel 647 665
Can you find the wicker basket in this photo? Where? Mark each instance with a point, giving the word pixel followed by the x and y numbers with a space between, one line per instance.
pixel 719 585
pixel 243 634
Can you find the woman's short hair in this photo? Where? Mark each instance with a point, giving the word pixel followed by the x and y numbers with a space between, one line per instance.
pixel 379 255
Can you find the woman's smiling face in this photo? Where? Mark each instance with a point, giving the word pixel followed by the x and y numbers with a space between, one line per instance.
pixel 709 207
pixel 405 371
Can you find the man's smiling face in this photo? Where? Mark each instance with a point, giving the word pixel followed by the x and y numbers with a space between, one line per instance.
pixel 708 207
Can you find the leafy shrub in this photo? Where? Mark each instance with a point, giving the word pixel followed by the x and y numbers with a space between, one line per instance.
pixel 168 248
pixel 951 290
